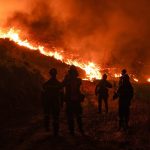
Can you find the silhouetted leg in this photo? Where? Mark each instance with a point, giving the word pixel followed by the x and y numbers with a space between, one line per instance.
pixel 127 112
pixel 79 119
pixel 80 124
pixel 46 122
pixel 106 104
pixel 70 120
pixel 55 123
pixel 120 117
pixel 99 104
pixel 124 117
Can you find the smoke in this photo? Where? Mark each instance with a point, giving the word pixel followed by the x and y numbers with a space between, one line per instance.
pixel 111 33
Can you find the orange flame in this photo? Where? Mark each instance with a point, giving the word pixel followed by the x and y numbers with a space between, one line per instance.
pixel 14 36
pixel 116 75
pixel 91 69
pixel 135 79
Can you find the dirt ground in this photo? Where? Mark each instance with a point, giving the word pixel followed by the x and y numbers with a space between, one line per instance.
pixel 101 130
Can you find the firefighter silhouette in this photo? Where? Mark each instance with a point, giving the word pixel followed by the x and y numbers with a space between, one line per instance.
pixel 101 91
pixel 123 75
pixel 52 101
pixel 125 94
pixel 73 99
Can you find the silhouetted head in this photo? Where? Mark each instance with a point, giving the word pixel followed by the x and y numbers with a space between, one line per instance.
pixel 53 72
pixel 104 76
pixel 124 71
pixel 73 71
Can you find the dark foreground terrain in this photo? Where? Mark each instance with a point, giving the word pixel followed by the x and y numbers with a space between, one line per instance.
pixel 101 130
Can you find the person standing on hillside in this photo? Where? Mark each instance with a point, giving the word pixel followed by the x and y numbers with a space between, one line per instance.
pixel 52 101
pixel 73 99
pixel 125 94
pixel 101 91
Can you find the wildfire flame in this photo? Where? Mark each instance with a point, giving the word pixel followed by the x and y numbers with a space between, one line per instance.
pixel 135 79
pixel 117 75
pixel 91 69
pixel 14 36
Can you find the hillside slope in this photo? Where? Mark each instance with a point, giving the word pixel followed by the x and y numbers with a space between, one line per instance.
pixel 22 73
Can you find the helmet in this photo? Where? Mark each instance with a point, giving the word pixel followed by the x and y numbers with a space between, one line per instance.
pixel 53 71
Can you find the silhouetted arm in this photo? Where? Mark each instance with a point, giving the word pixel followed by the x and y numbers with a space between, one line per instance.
pixel 96 90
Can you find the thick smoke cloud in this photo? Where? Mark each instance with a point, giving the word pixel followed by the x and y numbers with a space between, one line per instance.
pixel 111 33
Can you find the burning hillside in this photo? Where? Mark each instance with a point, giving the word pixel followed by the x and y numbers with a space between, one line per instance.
pixel 109 36
pixel 97 36
pixel 14 54
pixel 91 69
pixel 21 125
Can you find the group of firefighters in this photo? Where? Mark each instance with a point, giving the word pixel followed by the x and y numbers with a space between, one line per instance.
pixel 55 93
